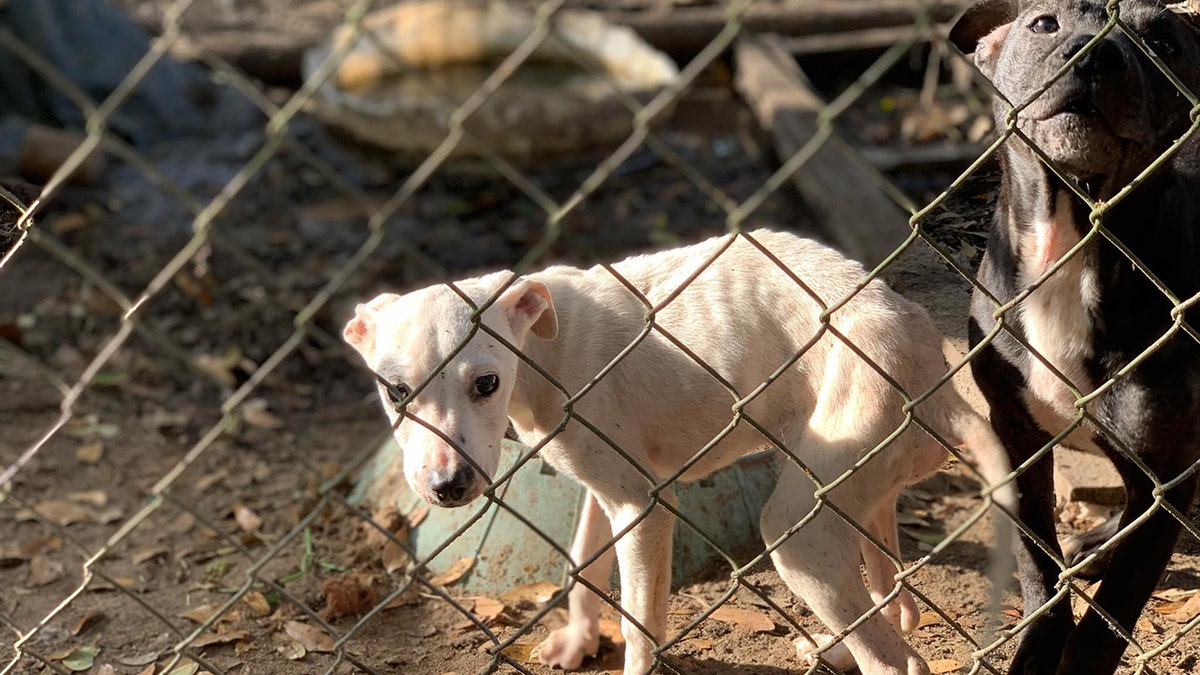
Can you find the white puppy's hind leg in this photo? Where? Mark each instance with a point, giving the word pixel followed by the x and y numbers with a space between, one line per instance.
pixel 881 571
pixel 819 563
pixel 566 647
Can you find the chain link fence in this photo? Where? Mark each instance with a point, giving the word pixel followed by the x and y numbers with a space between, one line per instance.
pixel 190 506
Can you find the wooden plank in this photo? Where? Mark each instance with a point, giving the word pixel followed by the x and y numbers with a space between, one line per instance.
pixel 845 196
pixel 686 30
pixel 860 40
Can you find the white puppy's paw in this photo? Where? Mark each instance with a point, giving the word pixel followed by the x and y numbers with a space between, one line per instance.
pixel 837 656
pixel 567 646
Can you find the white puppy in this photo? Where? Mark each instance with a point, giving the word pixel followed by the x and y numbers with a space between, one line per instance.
pixel 621 378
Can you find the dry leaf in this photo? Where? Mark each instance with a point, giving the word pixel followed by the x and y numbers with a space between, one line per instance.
pixel 611 629
pixel 454 572
pixel 106 669
pixel 522 652
pixel 38 544
pixel 291 649
pixel 149 553
pixel 182 524
pixel 200 613
pixel 257 603
pixel 90 452
pixel 312 638
pixel 139 660
pixel 218 638
pixel 93 497
pixel 1013 612
pixel 43 571
pixel 699 644
pixel 57 511
pixel 149 670
pixel 530 595
pixel 394 557
pixel 246 519
pixel 347 595
pixel 1189 610
pixel 747 619
pixel 929 618
pixel 81 659
pixel 417 516
pixel 943 666
pixel 255 413
pixel 82 624
pixel 218 368
pixel 487 609
pixel 188 668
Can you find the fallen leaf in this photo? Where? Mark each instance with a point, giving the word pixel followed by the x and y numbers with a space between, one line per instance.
pixel 312 638
pixel 205 482
pixel 140 659
pixel 81 658
pixel 38 544
pixel 611 629
pixel 257 603
pixel 183 523
pixel 943 666
pixel 149 553
pixel 256 414
pixel 454 572
pixel 200 613
pixel 106 669
pixel 932 538
pixel 522 652
pixel 246 519
pixel 58 511
pixel 149 670
pixel 530 595
pixel 487 609
pixel 417 516
pixel 1013 612
pixel 291 649
pixel 93 497
pixel 748 619
pixel 698 644
pixel 347 595
pixel 43 571
pixel 82 624
pixel 218 638
pixel 90 453
pixel 394 557
pixel 1189 610
pixel 189 668
pixel 929 618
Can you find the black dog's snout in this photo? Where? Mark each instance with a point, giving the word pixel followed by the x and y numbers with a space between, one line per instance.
pixel 454 489
pixel 1104 57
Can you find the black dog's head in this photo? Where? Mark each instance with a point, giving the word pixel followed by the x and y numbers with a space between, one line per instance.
pixel 1110 114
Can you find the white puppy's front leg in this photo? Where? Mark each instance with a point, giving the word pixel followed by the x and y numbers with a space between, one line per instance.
pixel 644 557
pixel 567 646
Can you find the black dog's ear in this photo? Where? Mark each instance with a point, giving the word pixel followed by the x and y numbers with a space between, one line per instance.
pixel 980 20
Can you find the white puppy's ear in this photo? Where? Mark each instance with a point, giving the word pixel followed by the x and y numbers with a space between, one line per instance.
pixel 360 332
pixel 528 306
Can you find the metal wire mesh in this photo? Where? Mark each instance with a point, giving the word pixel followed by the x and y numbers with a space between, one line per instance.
pixel 134 330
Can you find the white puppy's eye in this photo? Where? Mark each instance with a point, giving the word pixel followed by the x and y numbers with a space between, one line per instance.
pixel 396 393
pixel 486 385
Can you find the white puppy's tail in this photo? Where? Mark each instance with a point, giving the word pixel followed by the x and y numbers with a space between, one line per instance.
pixel 991 460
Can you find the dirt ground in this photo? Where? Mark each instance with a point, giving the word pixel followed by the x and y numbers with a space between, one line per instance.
pixel 264 508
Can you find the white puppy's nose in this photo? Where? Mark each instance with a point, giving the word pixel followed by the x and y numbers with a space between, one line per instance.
pixel 455 489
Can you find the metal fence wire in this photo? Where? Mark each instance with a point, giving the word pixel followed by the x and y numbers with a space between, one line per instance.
pixel 110 571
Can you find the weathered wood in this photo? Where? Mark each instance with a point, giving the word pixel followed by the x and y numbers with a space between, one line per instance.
pixel 954 155
pixel 846 197
pixel 686 30
pixel 858 40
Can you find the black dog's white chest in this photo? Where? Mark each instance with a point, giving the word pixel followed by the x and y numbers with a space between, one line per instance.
pixel 1057 317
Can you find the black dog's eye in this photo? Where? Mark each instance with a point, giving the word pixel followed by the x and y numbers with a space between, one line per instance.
pixel 486 385
pixel 1044 24
pixel 1163 48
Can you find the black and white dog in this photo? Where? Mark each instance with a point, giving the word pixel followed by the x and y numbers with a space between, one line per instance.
pixel 1098 321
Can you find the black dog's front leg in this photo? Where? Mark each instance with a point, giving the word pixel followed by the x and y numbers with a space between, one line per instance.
pixel 1002 383
pixel 1137 564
